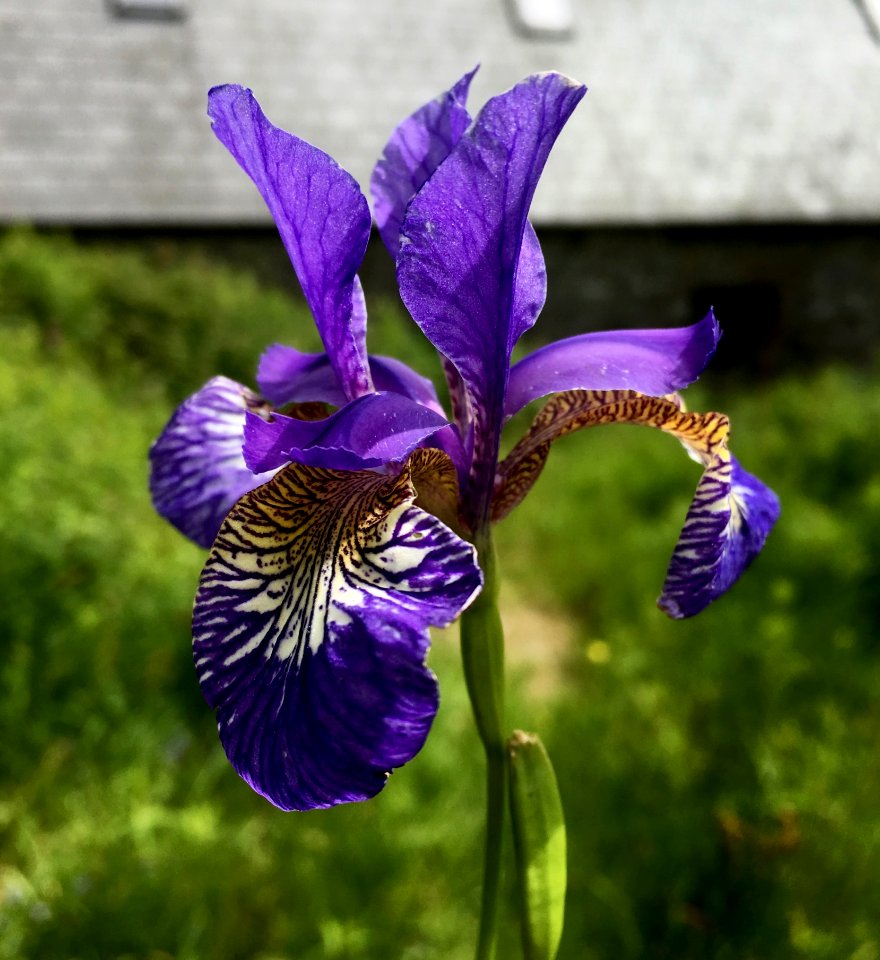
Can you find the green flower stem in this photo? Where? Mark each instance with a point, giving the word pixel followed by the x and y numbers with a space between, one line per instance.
pixel 482 647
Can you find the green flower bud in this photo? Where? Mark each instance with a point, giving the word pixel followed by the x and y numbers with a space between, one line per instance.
pixel 539 843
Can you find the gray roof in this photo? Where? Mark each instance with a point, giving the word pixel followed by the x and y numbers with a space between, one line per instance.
pixel 699 110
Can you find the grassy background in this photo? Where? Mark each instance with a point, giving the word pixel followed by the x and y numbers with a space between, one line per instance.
pixel 720 776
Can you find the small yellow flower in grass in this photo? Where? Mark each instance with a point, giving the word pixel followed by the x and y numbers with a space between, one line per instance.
pixel 598 652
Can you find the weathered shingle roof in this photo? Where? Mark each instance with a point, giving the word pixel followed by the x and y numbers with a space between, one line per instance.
pixel 696 111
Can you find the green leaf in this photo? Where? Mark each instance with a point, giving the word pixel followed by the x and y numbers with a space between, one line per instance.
pixel 539 843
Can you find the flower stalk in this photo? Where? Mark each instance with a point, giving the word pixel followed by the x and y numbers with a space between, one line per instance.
pixel 482 648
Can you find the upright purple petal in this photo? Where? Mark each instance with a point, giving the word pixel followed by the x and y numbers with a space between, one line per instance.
pixel 371 431
pixel 653 362
pixel 310 631
pixel 197 471
pixel 321 215
pixel 461 243
pixel 416 148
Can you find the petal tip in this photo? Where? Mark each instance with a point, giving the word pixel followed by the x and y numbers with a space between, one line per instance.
pixel 223 93
pixel 711 321
pixel 716 548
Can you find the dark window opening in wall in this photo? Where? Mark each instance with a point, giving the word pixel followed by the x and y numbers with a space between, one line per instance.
pixel 750 315
pixel 542 19
pixel 173 10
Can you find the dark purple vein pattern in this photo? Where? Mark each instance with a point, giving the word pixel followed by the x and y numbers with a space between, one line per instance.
pixel 310 630
pixel 197 469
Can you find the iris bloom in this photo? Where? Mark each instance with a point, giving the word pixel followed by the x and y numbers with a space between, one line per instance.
pixel 341 504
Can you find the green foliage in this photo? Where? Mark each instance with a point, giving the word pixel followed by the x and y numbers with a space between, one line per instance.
pixel 717 773
pixel 169 316
pixel 719 776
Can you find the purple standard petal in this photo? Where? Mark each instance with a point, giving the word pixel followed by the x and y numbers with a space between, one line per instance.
pixel 726 527
pixel 323 219
pixel 416 148
pixel 371 431
pixel 310 631
pixel 653 362
pixel 197 470
pixel 461 244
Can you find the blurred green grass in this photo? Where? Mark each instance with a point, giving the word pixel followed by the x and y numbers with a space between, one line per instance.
pixel 720 776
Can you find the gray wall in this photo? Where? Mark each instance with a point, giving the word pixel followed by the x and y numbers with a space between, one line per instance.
pixel 698 111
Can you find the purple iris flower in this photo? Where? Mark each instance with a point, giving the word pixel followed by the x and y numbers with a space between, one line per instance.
pixel 342 528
